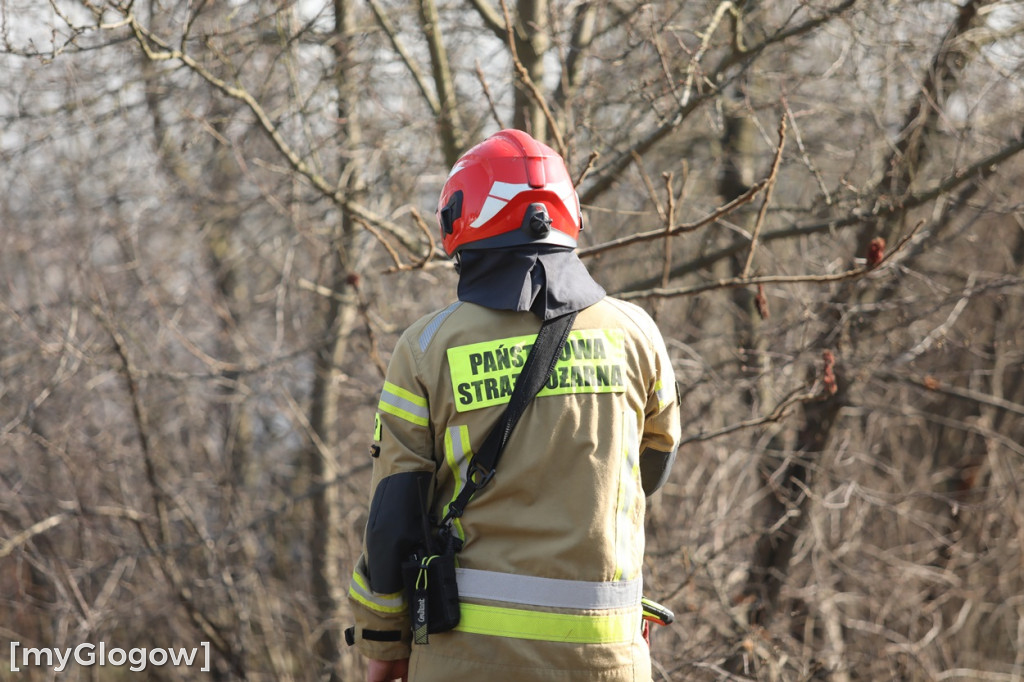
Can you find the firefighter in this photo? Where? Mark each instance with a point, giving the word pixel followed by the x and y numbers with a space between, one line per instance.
pixel 551 550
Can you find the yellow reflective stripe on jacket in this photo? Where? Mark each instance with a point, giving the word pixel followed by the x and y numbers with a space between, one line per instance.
pixel 484 374
pixel 385 603
pixel 457 454
pixel 551 592
pixel 627 494
pixel 665 389
pixel 601 628
pixel 404 404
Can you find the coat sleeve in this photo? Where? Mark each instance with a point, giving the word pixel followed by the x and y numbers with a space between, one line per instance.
pixel 661 433
pixel 403 471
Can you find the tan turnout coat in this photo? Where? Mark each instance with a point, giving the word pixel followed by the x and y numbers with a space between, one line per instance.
pixel 550 574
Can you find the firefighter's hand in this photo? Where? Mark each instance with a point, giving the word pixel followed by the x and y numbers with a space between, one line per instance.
pixel 386 671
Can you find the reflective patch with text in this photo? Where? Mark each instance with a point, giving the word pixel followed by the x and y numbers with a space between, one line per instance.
pixel 484 374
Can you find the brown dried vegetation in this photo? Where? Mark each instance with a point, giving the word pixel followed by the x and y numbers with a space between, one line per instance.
pixel 212 230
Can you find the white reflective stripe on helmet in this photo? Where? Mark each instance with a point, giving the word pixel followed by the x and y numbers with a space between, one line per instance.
pixel 508 190
pixel 497 198
pixel 551 592
pixel 567 193
pixel 501 193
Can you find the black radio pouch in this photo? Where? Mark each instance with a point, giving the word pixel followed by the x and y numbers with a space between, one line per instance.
pixel 432 590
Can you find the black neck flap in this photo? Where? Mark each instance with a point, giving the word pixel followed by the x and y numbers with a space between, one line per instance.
pixel 549 281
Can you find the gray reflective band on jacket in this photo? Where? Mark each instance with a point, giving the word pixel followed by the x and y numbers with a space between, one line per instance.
pixel 564 594
pixel 427 335
pixel 387 397
pixel 388 603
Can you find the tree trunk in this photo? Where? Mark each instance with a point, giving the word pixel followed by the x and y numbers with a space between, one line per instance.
pixel 328 582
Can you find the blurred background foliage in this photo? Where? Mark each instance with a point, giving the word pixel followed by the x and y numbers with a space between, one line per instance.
pixel 216 218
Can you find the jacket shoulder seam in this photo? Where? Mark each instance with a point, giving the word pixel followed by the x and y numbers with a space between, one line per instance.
pixel 634 314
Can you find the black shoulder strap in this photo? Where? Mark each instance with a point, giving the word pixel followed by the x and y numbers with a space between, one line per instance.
pixel 538 367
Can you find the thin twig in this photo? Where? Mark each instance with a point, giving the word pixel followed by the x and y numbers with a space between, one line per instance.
pixel 670 211
pixel 928 341
pixel 931 384
pixel 422 224
pixel 35 529
pixel 638 160
pixel 780 411
pixel 763 211
pixel 383 242
pixel 594 155
pixel 804 155
pixel 705 43
pixel 487 95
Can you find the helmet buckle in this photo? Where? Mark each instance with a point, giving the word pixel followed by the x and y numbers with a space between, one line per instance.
pixel 537 222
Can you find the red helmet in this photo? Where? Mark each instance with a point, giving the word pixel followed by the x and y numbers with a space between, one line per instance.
pixel 509 190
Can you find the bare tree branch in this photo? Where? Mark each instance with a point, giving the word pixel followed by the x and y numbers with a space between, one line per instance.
pixel 156 50
pixel 715 215
pixel 735 282
pixel 414 70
